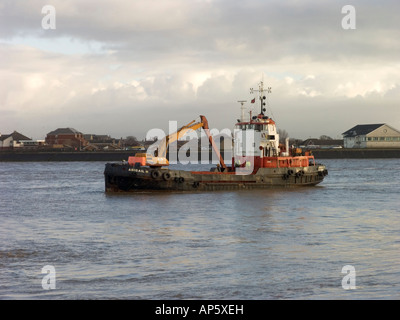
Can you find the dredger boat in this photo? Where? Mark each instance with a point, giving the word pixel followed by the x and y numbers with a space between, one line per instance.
pixel 258 161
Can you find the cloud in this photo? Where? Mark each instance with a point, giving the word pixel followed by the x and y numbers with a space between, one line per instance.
pixel 124 67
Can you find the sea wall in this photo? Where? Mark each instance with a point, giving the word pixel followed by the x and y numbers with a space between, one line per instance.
pixel 65 156
pixel 15 156
pixel 356 153
pixel 26 156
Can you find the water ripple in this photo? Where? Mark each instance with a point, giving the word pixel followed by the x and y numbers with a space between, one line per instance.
pixel 264 244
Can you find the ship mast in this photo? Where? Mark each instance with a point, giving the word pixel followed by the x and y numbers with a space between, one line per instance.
pixel 242 110
pixel 262 97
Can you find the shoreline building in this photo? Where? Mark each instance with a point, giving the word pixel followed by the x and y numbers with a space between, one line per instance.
pixel 66 137
pixel 378 135
pixel 13 140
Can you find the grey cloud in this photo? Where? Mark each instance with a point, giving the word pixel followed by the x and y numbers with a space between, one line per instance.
pixel 223 32
pixel 181 58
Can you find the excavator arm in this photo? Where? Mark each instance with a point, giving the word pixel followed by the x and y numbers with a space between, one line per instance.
pixel 161 158
pixel 212 142
pixel 165 142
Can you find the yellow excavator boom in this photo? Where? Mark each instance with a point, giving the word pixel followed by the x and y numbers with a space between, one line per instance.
pixel 165 142
pixel 161 158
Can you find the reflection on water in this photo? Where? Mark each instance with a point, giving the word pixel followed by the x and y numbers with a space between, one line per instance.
pixel 260 244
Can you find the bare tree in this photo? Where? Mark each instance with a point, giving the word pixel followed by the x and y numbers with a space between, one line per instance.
pixel 282 135
pixel 131 141
pixel 295 142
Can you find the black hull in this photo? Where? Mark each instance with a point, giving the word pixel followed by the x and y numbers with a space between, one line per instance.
pixel 125 178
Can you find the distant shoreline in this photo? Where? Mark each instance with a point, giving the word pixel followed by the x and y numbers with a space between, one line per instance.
pixel 50 156
pixel 355 153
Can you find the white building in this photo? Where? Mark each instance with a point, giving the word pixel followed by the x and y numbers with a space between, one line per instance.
pixel 372 136
pixel 13 140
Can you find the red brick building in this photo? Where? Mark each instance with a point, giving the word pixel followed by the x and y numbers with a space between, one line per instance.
pixel 66 137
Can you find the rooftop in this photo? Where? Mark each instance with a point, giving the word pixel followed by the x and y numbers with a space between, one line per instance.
pixel 15 135
pixel 64 131
pixel 361 129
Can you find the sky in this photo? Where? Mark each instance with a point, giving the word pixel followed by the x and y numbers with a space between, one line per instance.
pixel 125 67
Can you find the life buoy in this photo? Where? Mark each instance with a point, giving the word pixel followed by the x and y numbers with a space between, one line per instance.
pixel 196 184
pixel 166 176
pixel 155 174
pixel 181 179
